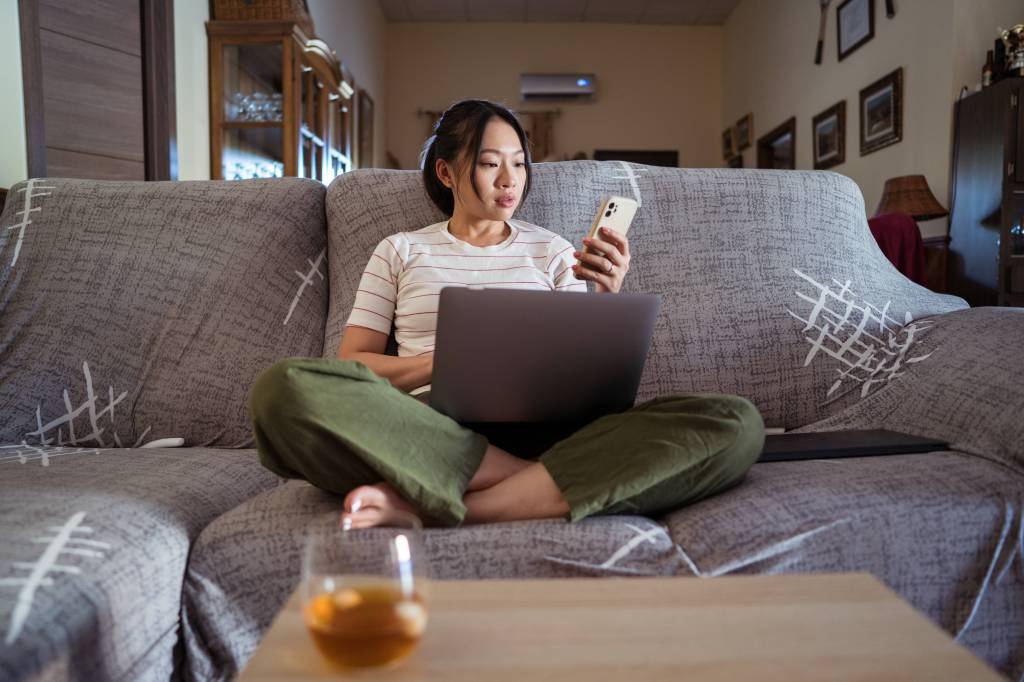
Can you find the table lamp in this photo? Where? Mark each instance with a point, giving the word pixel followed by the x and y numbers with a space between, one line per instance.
pixel 911 195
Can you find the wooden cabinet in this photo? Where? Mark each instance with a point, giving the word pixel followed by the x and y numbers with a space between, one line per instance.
pixel 986 248
pixel 280 103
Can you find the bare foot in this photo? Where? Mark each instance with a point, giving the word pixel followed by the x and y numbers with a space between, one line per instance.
pixel 373 505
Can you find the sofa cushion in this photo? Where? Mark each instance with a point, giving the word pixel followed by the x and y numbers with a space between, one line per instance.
pixel 247 562
pixel 941 529
pixel 95 544
pixel 772 285
pixel 134 311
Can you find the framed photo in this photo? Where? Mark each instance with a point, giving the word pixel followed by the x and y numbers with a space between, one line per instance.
pixel 744 132
pixel 855 22
pixel 830 137
pixel 364 137
pixel 777 148
pixel 728 144
pixel 881 113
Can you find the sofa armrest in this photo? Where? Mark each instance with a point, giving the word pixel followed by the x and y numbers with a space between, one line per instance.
pixel 966 388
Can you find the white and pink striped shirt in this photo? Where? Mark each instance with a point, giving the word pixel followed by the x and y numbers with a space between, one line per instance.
pixel 411 268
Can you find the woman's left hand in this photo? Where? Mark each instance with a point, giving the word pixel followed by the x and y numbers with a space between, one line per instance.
pixel 607 268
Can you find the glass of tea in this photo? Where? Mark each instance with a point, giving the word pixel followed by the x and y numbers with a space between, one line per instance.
pixel 364 592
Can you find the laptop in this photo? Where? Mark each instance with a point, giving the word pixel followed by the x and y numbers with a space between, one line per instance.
pixel 835 444
pixel 510 355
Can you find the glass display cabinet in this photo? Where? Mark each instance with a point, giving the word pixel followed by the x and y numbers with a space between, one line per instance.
pixel 280 103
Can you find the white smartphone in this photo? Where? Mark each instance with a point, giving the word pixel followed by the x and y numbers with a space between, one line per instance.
pixel 615 213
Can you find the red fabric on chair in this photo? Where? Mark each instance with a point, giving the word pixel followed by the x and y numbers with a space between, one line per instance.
pixel 899 238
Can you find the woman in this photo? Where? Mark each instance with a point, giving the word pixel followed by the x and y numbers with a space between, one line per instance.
pixel 354 427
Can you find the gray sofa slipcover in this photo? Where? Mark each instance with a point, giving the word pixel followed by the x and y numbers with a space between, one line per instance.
pixel 772 288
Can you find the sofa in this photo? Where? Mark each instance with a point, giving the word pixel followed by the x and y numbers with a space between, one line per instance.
pixel 135 314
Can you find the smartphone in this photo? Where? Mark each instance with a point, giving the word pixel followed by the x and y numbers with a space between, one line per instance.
pixel 615 213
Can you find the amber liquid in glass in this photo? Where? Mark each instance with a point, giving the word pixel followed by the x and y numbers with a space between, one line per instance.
pixel 364 626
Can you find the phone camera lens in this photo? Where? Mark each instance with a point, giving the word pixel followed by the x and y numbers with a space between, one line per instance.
pixel 607 214
pixel 611 205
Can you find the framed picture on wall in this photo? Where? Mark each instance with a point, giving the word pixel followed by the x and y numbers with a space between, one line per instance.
pixel 728 144
pixel 855 22
pixel 829 140
pixel 364 121
pixel 744 132
pixel 881 113
pixel 777 148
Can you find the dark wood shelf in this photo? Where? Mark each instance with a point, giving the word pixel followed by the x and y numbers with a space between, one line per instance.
pixel 276 57
pixel 253 124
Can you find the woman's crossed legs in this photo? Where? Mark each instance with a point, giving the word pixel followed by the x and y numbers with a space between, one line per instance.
pixel 342 428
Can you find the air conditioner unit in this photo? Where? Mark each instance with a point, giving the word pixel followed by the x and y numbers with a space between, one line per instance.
pixel 557 85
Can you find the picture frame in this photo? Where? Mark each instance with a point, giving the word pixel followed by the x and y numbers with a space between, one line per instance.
pixel 881 113
pixel 855 25
pixel 364 126
pixel 777 148
pixel 728 144
pixel 828 136
pixel 744 132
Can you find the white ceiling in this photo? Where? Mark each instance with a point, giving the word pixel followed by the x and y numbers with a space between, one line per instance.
pixel 702 12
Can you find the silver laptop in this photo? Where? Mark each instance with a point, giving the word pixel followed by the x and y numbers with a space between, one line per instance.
pixel 507 355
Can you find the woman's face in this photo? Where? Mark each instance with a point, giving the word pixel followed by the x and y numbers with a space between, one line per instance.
pixel 500 174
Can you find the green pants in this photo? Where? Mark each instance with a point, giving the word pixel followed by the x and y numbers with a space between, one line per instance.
pixel 338 425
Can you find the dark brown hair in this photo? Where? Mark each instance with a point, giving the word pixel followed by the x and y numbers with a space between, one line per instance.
pixel 457 137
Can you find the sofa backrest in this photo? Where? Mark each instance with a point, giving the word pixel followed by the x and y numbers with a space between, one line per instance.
pixel 135 311
pixel 772 286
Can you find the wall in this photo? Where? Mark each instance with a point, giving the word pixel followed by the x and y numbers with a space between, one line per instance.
pixel 975 23
pixel 357 31
pixel 770 70
pixel 659 87
pixel 13 152
pixel 191 89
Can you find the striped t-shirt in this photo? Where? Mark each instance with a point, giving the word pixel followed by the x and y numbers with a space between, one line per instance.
pixel 411 268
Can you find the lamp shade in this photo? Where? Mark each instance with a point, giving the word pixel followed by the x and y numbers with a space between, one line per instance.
pixel 911 195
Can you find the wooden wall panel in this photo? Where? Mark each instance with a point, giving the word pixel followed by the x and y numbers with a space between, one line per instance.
pixel 64 164
pixel 92 98
pixel 111 23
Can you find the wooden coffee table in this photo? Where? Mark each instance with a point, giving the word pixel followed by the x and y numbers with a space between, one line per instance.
pixel 798 627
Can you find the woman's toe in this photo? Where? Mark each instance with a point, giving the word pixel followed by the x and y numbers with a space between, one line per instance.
pixel 362 497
